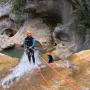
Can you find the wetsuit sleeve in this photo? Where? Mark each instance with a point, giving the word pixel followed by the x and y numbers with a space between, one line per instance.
pixel 33 45
pixel 25 44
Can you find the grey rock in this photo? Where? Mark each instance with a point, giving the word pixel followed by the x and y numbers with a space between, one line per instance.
pixel 6 42
pixel 5 9
pixel 40 31
pixel 74 38
pixel 51 8
pixel 61 52
pixel 6 24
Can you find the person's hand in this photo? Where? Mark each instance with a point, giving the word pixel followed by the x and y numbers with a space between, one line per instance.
pixel 30 47
pixel 25 50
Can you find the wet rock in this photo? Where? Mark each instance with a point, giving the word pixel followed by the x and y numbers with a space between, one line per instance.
pixel 6 63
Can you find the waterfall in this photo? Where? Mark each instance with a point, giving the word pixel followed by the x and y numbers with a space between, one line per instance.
pixel 22 68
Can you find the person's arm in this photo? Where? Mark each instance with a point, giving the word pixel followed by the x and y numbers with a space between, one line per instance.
pixel 33 45
pixel 25 45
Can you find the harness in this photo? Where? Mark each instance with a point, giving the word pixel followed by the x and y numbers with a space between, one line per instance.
pixel 29 41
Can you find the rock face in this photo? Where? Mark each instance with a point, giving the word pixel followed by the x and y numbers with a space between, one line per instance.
pixel 65 35
pixel 73 38
pixel 6 42
pixel 5 9
pixel 55 9
pixel 5 25
pixel 39 30
pixel 54 13
pixel 6 21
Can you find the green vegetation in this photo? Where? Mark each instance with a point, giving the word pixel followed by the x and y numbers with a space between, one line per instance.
pixel 18 8
pixel 18 5
pixel 82 13
pixel 19 17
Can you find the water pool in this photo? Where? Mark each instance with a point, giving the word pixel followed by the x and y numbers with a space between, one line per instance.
pixel 14 52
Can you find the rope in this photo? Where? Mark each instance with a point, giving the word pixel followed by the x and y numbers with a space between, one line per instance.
pixel 57 73
pixel 60 76
pixel 44 79
pixel 42 76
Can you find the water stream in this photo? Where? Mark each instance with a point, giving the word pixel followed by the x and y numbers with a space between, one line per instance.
pixel 22 68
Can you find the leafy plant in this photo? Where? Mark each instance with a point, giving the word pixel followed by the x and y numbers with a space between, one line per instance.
pixel 18 5
pixel 81 12
pixel 18 8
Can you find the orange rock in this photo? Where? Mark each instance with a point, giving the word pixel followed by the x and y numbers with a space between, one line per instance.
pixel 7 63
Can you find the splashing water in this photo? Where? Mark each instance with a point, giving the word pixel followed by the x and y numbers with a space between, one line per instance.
pixel 22 68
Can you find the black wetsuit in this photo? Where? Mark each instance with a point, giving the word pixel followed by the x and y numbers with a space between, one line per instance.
pixel 50 59
pixel 30 42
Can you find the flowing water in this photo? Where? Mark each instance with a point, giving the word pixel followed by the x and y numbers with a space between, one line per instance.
pixel 22 68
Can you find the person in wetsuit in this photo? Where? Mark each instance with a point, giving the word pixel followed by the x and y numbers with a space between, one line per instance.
pixel 29 44
pixel 50 58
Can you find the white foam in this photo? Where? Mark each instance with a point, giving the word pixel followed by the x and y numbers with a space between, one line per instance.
pixel 22 68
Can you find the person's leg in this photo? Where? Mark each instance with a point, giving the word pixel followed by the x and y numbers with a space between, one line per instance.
pixel 33 57
pixel 29 56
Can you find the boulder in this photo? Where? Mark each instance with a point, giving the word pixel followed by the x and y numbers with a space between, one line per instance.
pixel 6 42
pixel 81 68
pixel 81 57
pixel 61 52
